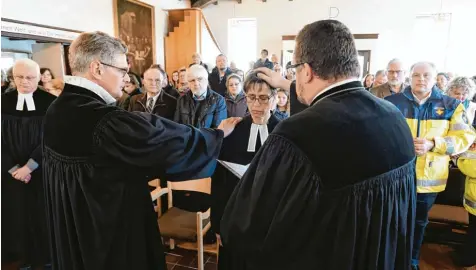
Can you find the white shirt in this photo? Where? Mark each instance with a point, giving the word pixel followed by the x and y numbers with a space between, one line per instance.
pixel 93 87
pixel 421 102
pixel 334 85
pixel 30 103
pixel 154 100
pixel 263 134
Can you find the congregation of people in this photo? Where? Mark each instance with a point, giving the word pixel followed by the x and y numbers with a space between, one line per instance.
pixel 343 167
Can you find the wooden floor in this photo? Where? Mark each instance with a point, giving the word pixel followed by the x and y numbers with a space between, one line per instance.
pixel 434 257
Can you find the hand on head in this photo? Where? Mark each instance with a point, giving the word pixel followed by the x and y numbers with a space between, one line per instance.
pixel 275 79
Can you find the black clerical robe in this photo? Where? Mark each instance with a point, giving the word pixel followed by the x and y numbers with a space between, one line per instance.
pixel 24 233
pixel 235 150
pixel 333 187
pixel 96 158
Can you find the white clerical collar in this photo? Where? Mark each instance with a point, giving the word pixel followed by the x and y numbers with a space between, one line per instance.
pixel 334 85
pixel 421 102
pixel 91 86
pixel 263 134
pixel 28 98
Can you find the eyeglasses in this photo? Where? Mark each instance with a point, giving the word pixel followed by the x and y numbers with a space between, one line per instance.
pixel 396 72
pixel 262 99
pixel 295 65
pixel 28 78
pixel 123 71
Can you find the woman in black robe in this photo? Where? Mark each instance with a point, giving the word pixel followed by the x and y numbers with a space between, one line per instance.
pixel 240 148
pixel 24 232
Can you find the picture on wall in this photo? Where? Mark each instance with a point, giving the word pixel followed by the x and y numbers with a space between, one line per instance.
pixel 134 24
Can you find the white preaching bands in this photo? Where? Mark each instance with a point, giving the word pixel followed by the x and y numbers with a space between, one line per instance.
pixel 263 134
pixel 30 104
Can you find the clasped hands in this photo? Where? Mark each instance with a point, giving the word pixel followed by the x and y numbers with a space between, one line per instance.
pixel 22 174
pixel 422 146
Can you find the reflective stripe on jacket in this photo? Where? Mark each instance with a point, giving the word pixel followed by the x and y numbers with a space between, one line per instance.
pixel 443 120
pixel 467 165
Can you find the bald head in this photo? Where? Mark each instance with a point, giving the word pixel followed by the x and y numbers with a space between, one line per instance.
pixel 26 74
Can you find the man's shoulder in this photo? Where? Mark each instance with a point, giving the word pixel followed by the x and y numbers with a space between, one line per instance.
pixel 378 89
pixel 397 98
pixel 134 98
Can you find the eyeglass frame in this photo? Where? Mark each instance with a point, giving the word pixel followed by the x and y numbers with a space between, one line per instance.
pixel 126 71
pixel 295 65
pixel 27 78
pixel 257 98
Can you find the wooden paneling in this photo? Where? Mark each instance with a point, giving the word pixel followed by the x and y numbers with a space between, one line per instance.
pixel 184 37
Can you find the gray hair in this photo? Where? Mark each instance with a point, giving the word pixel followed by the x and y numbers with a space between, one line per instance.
pixel 432 66
pixel 394 60
pixel 198 70
pixel 462 82
pixel 92 46
pixel 29 63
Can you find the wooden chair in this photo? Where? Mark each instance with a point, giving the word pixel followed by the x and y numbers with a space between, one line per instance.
pixel 180 224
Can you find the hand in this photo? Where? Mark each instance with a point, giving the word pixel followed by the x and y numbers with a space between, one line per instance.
pixel 228 125
pixel 422 146
pixel 219 239
pixel 22 174
pixel 273 78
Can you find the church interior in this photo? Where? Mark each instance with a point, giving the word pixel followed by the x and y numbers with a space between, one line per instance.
pixel 177 46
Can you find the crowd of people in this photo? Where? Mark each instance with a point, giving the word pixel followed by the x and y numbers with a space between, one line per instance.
pixel 342 172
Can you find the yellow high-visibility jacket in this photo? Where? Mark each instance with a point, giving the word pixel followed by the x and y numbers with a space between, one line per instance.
pixel 443 120
pixel 467 165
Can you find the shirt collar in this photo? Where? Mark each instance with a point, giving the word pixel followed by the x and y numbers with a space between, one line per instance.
pixel 421 102
pixel 201 97
pixel 91 86
pixel 154 97
pixel 334 85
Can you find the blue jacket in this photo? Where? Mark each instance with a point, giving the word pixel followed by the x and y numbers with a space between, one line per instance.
pixel 209 113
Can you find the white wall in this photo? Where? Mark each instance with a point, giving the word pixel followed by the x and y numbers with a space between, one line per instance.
pixel 393 20
pixel 86 15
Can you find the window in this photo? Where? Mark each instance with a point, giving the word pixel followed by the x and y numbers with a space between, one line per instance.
pixel 242 41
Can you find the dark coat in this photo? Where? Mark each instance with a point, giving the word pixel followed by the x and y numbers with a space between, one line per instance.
pixel 164 106
pixel 341 194
pixel 268 64
pixel 236 107
pixel 95 161
pixel 216 84
pixel 209 113
pixel 24 226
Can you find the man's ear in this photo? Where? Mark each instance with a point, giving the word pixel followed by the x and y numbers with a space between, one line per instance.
pixel 308 73
pixel 95 68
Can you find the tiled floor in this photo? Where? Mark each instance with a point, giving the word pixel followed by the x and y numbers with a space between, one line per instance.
pixel 181 259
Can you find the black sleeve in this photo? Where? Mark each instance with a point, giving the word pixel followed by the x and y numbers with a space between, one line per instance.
pixel 140 139
pixel 278 194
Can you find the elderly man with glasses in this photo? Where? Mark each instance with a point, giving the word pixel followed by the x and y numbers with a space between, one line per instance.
pixel 96 157
pixel 395 80
pixel 24 233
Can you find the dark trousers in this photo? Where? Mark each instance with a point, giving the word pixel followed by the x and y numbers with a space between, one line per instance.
pixel 469 250
pixel 424 203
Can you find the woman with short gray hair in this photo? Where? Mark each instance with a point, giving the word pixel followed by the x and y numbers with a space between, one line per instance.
pixel 463 89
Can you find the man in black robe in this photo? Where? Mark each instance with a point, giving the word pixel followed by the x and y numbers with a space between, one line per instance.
pixel 333 187
pixel 97 157
pixel 24 232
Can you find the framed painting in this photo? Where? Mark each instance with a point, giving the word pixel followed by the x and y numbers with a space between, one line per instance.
pixel 134 23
